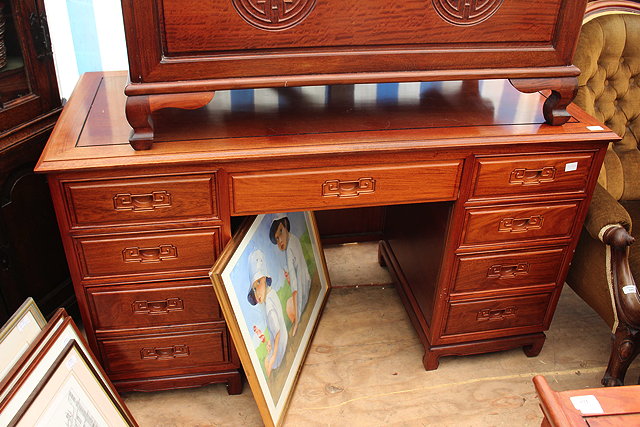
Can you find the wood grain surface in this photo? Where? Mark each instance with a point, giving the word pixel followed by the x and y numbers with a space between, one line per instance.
pixel 422 153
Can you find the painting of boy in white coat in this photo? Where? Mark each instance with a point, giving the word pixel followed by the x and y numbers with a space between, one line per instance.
pixel 276 283
pixel 297 271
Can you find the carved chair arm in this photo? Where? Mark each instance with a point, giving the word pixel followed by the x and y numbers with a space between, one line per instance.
pixel 625 291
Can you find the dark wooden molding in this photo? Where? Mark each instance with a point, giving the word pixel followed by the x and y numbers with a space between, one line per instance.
pixel 624 286
pixel 598 7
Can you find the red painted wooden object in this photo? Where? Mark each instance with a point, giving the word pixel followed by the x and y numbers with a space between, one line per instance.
pixel 178 47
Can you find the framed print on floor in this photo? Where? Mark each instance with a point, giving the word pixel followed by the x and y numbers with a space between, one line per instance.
pixel 18 333
pixel 272 284
pixel 17 374
pixel 38 362
pixel 72 393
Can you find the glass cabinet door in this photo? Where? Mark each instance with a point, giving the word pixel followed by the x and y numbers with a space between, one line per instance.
pixel 28 85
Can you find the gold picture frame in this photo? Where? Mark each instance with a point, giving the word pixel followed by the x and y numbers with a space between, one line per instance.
pixel 271 305
pixel 18 333
pixel 72 391
pixel 37 362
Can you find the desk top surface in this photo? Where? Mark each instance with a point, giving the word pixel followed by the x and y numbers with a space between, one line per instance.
pixel 317 120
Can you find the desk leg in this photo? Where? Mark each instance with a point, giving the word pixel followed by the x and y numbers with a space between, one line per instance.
pixel 234 384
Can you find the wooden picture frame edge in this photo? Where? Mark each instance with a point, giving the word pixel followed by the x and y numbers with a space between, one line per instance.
pixel 227 311
pixel 29 305
pixel 106 387
pixel 234 329
pixel 14 374
pixel 48 337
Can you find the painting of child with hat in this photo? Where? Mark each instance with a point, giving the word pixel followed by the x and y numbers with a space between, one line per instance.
pixel 272 297
pixel 260 293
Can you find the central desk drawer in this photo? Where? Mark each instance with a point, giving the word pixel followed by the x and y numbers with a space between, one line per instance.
pixel 137 253
pixel 308 189
pixel 523 222
pixel 148 305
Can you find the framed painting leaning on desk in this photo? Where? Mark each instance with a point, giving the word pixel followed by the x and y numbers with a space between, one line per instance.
pixel 272 284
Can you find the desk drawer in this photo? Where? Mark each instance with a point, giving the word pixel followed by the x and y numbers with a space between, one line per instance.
pixel 497 314
pixel 139 306
pixel 138 253
pixel 305 189
pixel 508 270
pixel 532 174
pixel 524 222
pixel 126 357
pixel 126 201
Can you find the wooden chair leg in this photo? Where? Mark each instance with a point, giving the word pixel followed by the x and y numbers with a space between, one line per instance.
pixel 624 349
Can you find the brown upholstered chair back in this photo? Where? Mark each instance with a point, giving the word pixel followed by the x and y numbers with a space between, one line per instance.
pixel 609 89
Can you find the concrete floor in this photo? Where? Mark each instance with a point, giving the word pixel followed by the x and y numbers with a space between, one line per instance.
pixel 365 368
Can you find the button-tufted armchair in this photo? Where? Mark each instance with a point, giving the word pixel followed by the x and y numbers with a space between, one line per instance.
pixel 605 261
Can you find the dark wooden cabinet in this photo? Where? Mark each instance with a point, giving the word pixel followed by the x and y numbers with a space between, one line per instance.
pixel 32 263
pixel 188 49
pixel 484 203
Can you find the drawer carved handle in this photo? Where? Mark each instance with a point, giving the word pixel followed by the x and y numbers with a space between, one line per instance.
pixel 508 271
pixel 520 225
pixel 338 188
pixel 164 353
pixel 156 254
pixel 488 315
pixel 158 307
pixel 142 202
pixel 532 176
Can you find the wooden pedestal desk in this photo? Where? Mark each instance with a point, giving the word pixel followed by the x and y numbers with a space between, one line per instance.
pixel 484 201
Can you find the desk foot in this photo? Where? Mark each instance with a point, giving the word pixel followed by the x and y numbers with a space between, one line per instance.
pixel 140 108
pixel 234 384
pixel 563 90
pixel 431 360
pixel 534 349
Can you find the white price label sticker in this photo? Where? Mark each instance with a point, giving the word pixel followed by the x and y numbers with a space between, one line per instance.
pixel 595 128
pixel 587 404
pixel 24 323
pixel 71 361
pixel 629 289
pixel 571 166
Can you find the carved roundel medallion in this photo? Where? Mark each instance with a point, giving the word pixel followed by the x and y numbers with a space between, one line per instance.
pixel 466 12
pixel 273 14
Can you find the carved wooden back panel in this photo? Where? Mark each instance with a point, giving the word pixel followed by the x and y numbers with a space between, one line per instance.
pixel 177 40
